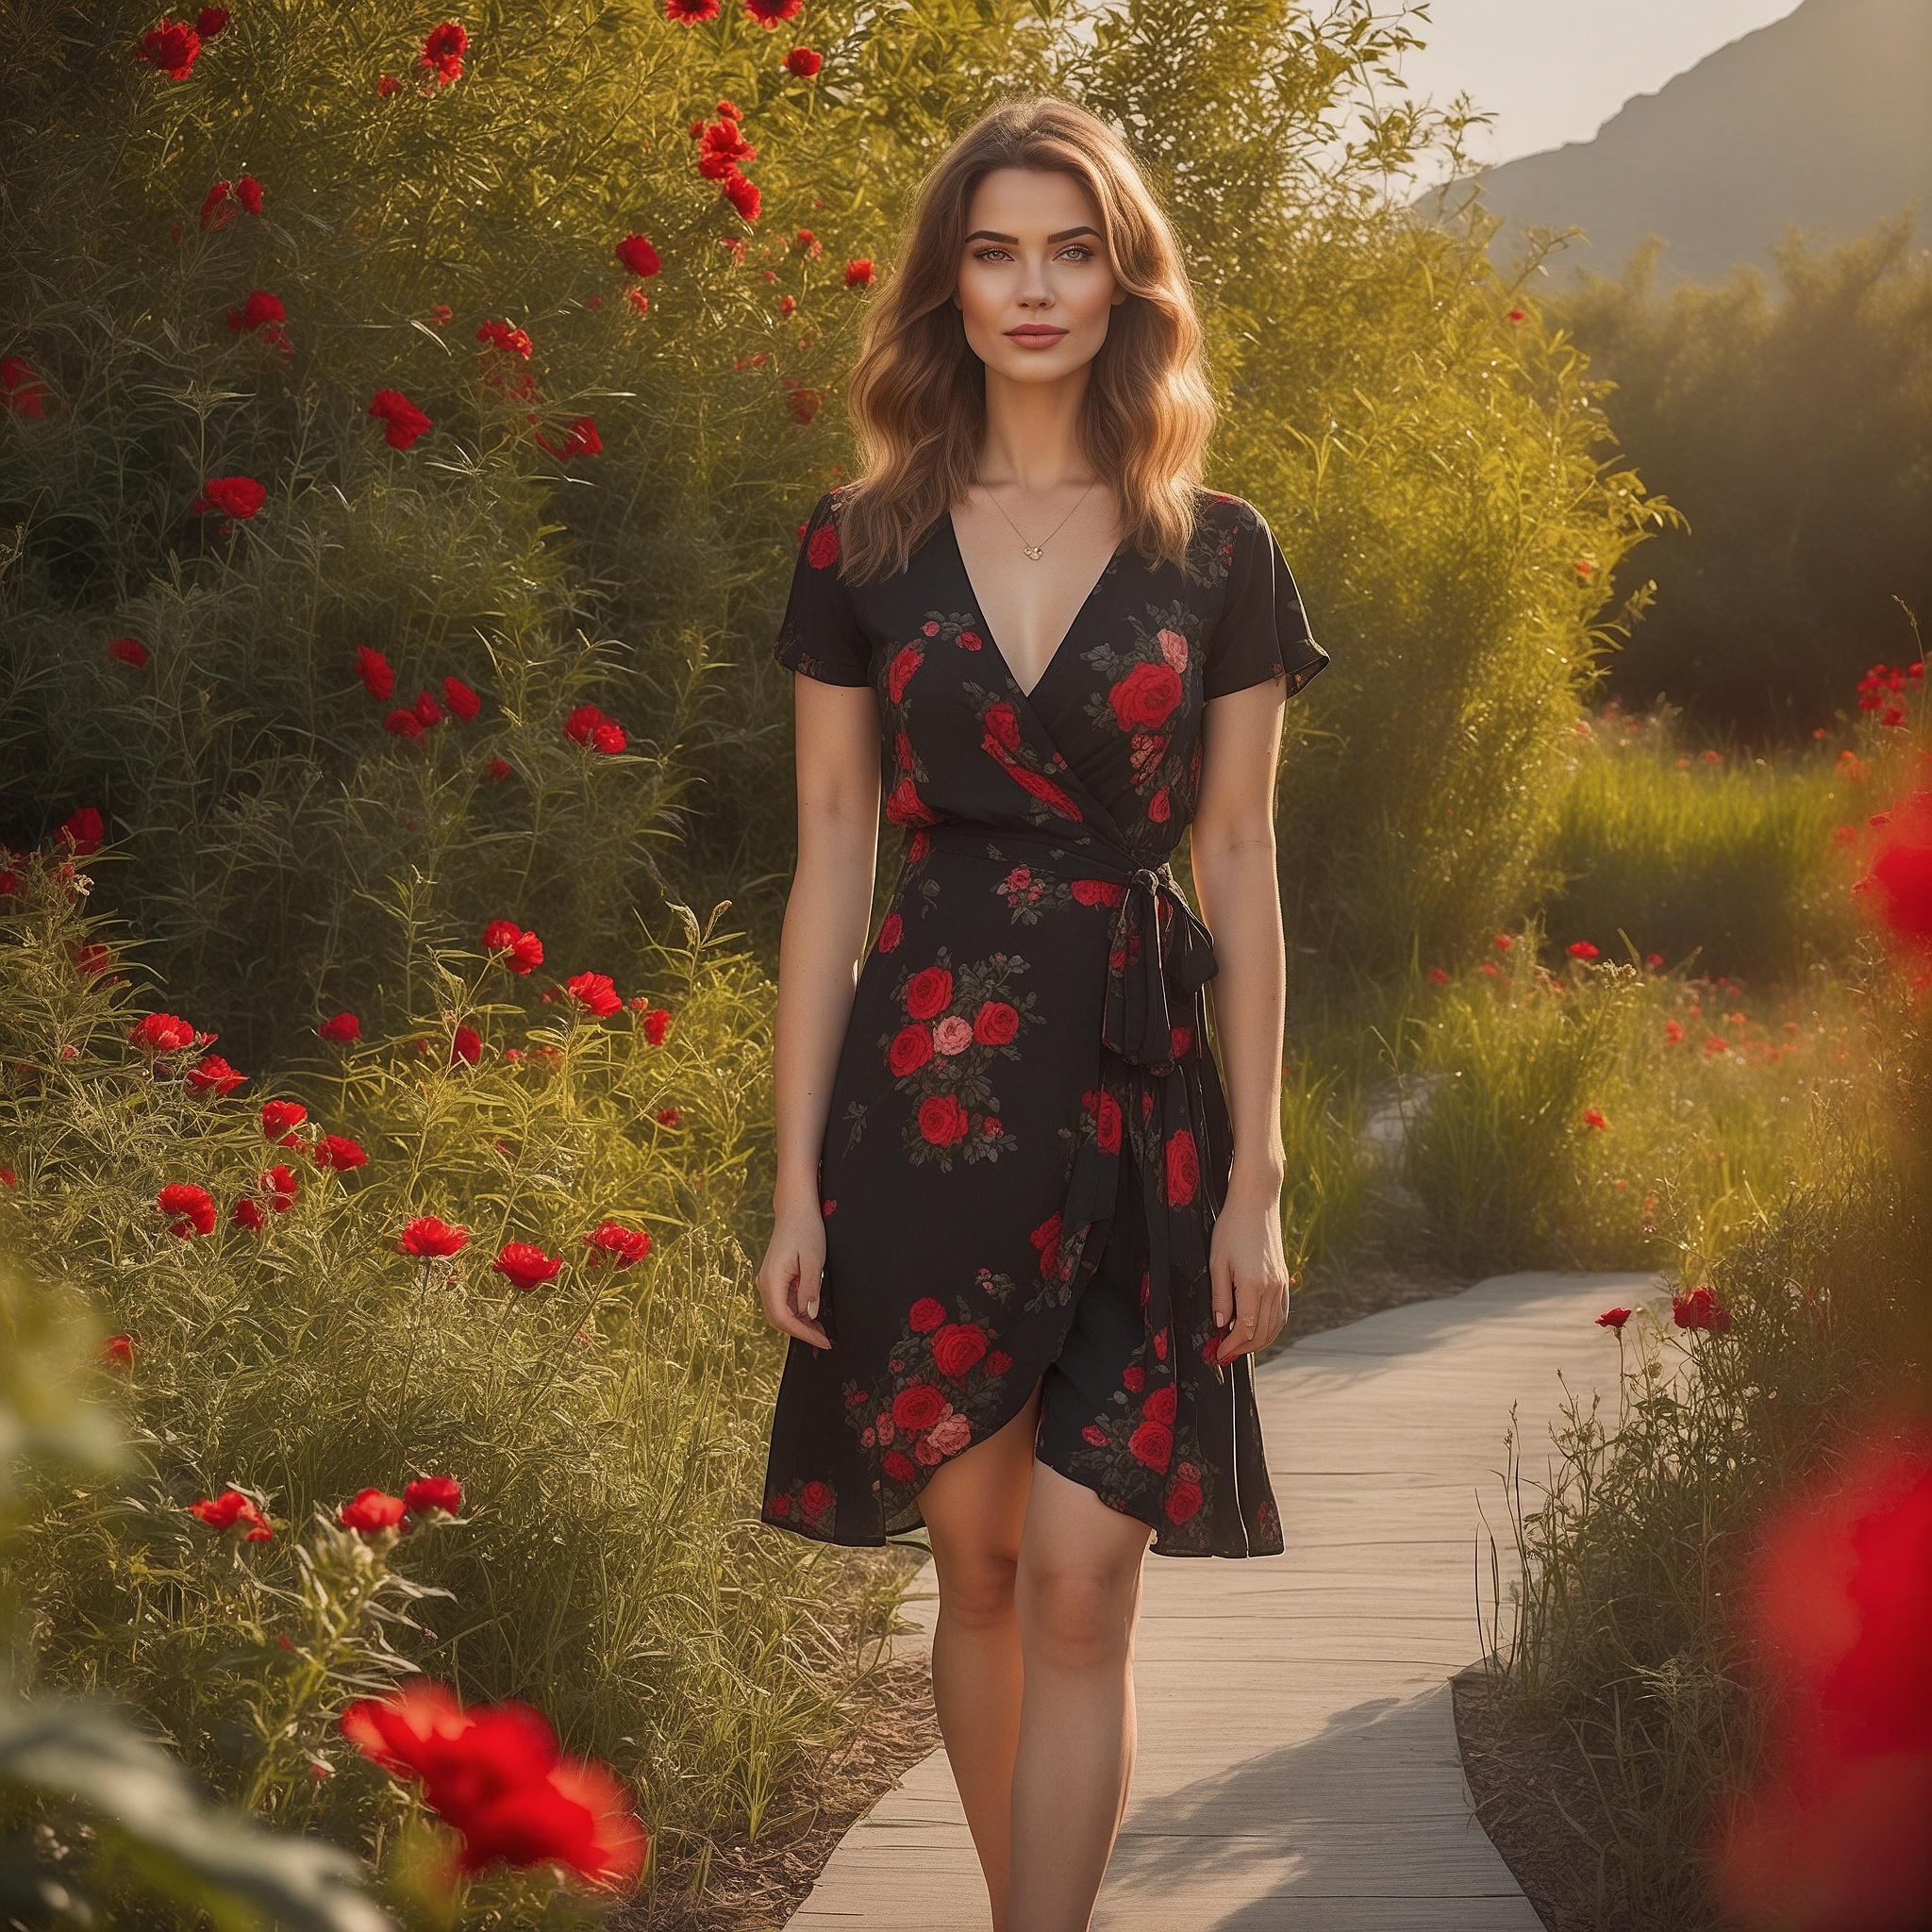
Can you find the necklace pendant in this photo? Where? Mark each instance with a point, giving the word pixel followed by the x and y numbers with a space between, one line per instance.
pixel 1033 551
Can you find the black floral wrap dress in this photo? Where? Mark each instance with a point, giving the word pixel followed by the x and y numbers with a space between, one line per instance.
pixel 1029 1138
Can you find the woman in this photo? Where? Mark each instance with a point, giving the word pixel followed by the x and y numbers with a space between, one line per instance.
pixel 1024 1242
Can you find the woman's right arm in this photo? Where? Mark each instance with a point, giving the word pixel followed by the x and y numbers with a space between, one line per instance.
pixel 826 918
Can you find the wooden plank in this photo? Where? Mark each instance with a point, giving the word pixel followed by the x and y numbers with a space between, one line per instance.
pixel 1322 1792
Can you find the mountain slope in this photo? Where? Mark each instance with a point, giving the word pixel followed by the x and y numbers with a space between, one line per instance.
pixel 1824 118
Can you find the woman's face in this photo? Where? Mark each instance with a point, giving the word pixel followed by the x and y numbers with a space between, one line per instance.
pixel 1036 287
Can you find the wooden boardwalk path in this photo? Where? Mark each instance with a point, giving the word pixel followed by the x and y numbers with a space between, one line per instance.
pixel 1298 1766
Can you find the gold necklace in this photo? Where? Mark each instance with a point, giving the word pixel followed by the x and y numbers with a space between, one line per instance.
pixel 1033 550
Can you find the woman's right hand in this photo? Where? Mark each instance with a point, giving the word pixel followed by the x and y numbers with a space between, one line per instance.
pixel 790 1274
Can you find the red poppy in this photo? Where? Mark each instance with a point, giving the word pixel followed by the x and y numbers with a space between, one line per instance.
pixel 337 1151
pixel 768 13
pixel 1152 1444
pixel 520 951
pixel 1183 1167
pixel 461 699
pixel 911 1049
pixel 1582 949
pixel 247 1214
pixel 957 1347
pixel 213 1076
pixel 403 724
pixel 586 726
pixel 928 992
pixel 496 771
pixel 635 253
pixel 1145 698
pixel 118 1351
pixel 722 148
pixel 230 1508
pixel 502 336
pixel 372 1510
pixel 1700 1309
pixel 260 310
pixel 743 195
pixel 442 52
pixel 690 12
pixel 234 497
pixel 378 677
pixel 341 1030
pixel 1613 1318
pixel 402 421
pixel 83 831
pixel 526 1266
pixel 927 1315
pixel 859 272
pixel 281 1187
pixel 128 651
pixel 210 20
pixel 190 1209
pixel 943 1120
pixel 803 62
pixel 1901 871
pixel 21 388
pixel 594 993
pixel 1593 1117
pixel 670 1117
pixel 467 1046
pixel 656 1026
pixel 619 1245
pixel 917 1406
pixel 579 439
pixel 433 1493
pixel 426 1235
pixel 172 47
pixel 161 1033
pixel 995 1023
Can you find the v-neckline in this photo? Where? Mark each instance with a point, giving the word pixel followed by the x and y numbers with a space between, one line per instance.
pixel 1066 635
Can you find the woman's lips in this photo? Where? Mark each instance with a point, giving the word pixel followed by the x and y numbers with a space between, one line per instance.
pixel 1035 336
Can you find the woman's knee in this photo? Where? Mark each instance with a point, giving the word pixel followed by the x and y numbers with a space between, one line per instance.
pixel 976 1582
pixel 1077 1612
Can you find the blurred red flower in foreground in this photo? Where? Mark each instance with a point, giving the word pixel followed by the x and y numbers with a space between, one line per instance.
pixel 190 1209
pixel 373 1510
pixel 1837 1834
pixel 21 388
pixel 230 1508
pixel 426 1235
pixel 341 1029
pixel 467 1046
pixel 526 1266
pixel 617 1244
pixel 1901 871
pixel 118 1351
pixel 128 651
pixel 430 1492
pixel 635 253
pixel 595 993
pixel 494 1773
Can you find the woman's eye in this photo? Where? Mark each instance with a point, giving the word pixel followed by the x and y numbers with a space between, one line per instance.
pixel 987 254
pixel 1078 252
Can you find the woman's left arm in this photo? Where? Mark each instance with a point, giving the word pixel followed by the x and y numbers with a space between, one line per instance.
pixel 1233 849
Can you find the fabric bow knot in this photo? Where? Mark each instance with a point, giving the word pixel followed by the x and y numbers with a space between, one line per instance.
pixel 1160 957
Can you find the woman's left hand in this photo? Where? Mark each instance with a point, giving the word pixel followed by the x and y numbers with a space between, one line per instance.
pixel 1249 1272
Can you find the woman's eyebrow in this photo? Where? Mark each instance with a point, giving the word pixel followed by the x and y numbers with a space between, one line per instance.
pixel 1013 241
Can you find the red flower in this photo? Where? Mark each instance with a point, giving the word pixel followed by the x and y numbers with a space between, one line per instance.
pixel 859 272
pixel 891 932
pixel 230 1508
pixel 722 149
pixel 957 1347
pixel 210 20
pixel 617 1244
pixel 461 699
pixel 21 388
pixel 814 1499
pixel 526 1266
pixel 497 770
pixel 371 1510
pixel 248 1214
pixel 170 46
pixel 128 651
pixel 1700 1309
pixel 743 195
pixel 190 1209
pixel 687 13
pixel 1046 1238
pixel 402 421
pixel 429 1493
pixel 161 1033
pixel 768 13
pixel 520 951
pixel 803 62
pixel 927 1315
pixel 898 1467
pixel 670 1117
pixel 1183 1500
pixel 118 1351
pixel 83 830
pixel 338 1152
pixel 214 1076
pixel 1582 949
pixel 245 191
pixel 1107 1124
pixel 260 310
pixel 1158 1408
pixel 1901 871
pixel 823 551
pixel 1096 893
pixel 1145 698
pixel 594 993
pixel 403 724
pixel 928 992
pixel 340 1031
pixel 917 1406
pixel 467 1046
pixel 911 1049
pixel 943 1120
pixel 1592 1117
pixel 426 1235
pixel 281 1187
pixel 635 253
pixel 442 52
pixel 586 726
pixel 995 1023
pixel 373 668
pixel 1613 1318
pixel 1152 1444
pixel 656 1026
pixel 579 439
pixel 1183 1167
pixel 503 337
pixel 234 497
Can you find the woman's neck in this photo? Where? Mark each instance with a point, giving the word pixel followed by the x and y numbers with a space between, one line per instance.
pixel 1033 433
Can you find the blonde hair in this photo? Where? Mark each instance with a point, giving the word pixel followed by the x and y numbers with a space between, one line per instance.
pixel 917 393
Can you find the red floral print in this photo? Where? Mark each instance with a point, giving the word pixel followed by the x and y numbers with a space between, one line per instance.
pixel 928 992
pixel 925 1316
pixel 1183 1167
pixel 943 1120
pixel 1146 697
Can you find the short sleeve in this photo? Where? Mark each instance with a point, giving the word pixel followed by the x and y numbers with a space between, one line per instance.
pixel 1263 632
pixel 819 633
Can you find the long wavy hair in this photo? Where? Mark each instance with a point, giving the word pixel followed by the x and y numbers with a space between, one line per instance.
pixel 917 393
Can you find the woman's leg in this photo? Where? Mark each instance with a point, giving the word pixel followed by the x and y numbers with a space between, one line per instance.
pixel 975 1509
pixel 1078 1595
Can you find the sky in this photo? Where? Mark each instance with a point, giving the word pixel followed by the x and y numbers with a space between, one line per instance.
pixel 1553 71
